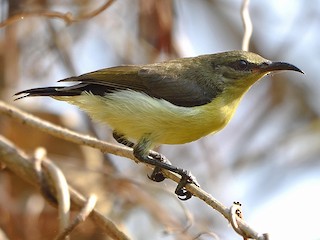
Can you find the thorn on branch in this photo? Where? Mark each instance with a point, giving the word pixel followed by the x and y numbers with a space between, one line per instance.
pixel 236 212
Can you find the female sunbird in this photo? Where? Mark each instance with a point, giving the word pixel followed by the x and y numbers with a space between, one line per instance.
pixel 172 102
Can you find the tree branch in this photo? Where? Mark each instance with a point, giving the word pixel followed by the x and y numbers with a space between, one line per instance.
pixel 60 185
pixel 242 227
pixel 82 216
pixel 67 17
pixel 21 165
pixel 247 24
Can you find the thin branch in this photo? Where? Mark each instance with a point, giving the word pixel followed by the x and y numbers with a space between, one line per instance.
pixel 74 137
pixel 236 212
pixel 64 133
pixel 60 185
pixel 215 236
pixel 247 24
pixel 81 217
pixel 68 18
pixel 94 12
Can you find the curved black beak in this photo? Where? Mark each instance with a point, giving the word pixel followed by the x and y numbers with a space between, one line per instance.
pixel 278 66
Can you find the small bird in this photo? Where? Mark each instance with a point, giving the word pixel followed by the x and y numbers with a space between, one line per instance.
pixel 171 102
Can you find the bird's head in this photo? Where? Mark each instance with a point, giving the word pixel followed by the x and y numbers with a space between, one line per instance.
pixel 241 69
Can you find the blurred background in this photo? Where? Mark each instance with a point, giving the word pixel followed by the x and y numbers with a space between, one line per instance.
pixel 268 157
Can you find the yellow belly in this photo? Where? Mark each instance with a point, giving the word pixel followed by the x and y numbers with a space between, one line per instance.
pixel 136 114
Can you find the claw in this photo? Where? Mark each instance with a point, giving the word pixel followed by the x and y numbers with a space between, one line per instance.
pixel 157 175
pixel 161 162
pixel 183 194
pixel 181 191
pixel 159 157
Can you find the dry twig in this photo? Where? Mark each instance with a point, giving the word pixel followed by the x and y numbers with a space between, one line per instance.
pixel 67 17
pixel 60 185
pixel 82 216
pixel 246 20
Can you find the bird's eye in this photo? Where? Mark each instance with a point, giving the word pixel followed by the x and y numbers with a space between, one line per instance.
pixel 239 65
pixel 242 65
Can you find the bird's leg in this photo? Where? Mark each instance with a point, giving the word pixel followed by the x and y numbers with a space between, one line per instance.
pixel 141 152
pixel 120 138
pixel 156 175
pixel 186 176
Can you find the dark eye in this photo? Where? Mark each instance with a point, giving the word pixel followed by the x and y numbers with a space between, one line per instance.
pixel 242 65
pixel 239 65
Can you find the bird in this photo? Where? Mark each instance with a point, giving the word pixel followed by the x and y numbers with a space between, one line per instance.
pixel 171 102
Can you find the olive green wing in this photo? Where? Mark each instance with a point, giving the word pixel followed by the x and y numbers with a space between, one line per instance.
pixel 150 79
pixel 186 90
pixel 111 79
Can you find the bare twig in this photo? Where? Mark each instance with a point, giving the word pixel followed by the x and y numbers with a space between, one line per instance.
pixel 215 236
pixel 64 133
pixel 67 17
pixel 95 12
pixel 82 216
pixel 245 15
pixel 235 211
pixel 124 152
pixel 60 184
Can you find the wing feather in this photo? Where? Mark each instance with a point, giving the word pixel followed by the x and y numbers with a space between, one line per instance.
pixel 181 84
pixel 149 80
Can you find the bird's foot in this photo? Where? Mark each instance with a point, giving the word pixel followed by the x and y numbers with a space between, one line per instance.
pixel 186 176
pixel 161 162
pixel 157 175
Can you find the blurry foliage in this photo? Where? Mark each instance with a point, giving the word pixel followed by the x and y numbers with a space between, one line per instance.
pixel 276 129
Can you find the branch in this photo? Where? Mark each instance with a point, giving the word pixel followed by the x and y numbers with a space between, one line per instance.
pixel 247 24
pixel 67 17
pixel 60 185
pixel 84 213
pixel 28 119
pixel 21 165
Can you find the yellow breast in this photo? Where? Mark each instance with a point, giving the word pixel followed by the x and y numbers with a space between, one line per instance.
pixel 136 114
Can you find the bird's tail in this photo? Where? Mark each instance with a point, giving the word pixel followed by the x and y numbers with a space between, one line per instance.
pixel 51 91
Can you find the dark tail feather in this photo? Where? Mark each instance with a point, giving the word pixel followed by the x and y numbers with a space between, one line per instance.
pixel 74 90
pixel 47 91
